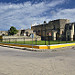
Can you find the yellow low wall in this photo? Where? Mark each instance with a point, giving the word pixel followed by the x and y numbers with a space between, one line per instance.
pixel 29 46
pixel 56 46
pixel 41 46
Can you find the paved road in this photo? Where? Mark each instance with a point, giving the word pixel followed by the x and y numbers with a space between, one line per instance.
pixel 22 62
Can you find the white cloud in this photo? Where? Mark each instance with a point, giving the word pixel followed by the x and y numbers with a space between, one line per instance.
pixel 65 14
pixel 23 15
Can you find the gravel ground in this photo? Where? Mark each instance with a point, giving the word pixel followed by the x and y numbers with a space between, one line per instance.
pixel 53 62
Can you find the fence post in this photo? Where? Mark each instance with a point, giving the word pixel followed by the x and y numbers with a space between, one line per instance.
pixel 66 40
pixel 32 42
pixel 32 39
pixel 59 40
pixel 15 40
pixel 24 40
pixel 9 40
pixel 35 41
pixel 5 40
pixel 45 34
pixel 48 40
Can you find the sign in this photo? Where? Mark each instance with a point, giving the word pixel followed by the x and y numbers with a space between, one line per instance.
pixel 50 34
pixel 32 35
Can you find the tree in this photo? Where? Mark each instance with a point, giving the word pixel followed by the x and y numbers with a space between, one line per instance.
pixel 12 30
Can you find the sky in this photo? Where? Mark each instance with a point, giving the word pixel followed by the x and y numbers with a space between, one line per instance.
pixel 24 13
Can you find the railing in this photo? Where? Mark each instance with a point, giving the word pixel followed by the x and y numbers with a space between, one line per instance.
pixel 34 41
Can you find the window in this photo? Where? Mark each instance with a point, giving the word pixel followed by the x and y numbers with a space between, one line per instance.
pixel 70 27
pixel 38 31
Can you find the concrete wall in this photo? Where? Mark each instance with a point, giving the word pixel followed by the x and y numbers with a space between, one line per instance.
pixel 19 38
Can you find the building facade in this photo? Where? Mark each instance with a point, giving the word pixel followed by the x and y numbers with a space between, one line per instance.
pixel 70 31
pixel 53 29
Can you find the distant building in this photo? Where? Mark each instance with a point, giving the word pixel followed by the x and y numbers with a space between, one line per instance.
pixel 24 32
pixel 3 33
pixel 53 29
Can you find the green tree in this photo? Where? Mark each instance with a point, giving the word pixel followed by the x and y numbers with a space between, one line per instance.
pixel 12 30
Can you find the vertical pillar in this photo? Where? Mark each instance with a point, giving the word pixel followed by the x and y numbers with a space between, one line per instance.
pixel 54 35
pixel 72 33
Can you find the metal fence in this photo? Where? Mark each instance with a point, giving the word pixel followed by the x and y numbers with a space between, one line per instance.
pixel 33 41
pixel 20 40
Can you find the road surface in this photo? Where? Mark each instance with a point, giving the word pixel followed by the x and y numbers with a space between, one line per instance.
pixel 23 62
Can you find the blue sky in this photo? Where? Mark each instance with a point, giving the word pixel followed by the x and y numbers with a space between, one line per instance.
pixel 24 13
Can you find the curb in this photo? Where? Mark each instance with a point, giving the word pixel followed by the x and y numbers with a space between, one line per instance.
pixel 33 49
pixel 37 47
pixel 24 48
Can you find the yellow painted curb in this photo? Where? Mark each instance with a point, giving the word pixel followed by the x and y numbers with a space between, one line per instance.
pixel 56 46
pixel 29 46
pixel 41 46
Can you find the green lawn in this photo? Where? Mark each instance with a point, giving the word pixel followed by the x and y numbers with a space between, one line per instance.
pixel 39 42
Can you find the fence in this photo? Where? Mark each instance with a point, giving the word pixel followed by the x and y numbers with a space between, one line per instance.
pixel 34 41
pixel 19 40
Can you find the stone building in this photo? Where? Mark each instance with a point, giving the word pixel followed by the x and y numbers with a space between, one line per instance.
pixel 24 32
pixel 3 33
pixel 27 32
pixel 70 31
pixel 53 29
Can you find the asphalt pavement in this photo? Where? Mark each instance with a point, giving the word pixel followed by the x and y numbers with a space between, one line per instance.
pixel 24 62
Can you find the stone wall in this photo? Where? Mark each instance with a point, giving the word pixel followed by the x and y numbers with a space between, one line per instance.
pixel 70 31
pixel 19 38
pixel 57 25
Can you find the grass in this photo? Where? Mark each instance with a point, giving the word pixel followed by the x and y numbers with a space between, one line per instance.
pixel 39 42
